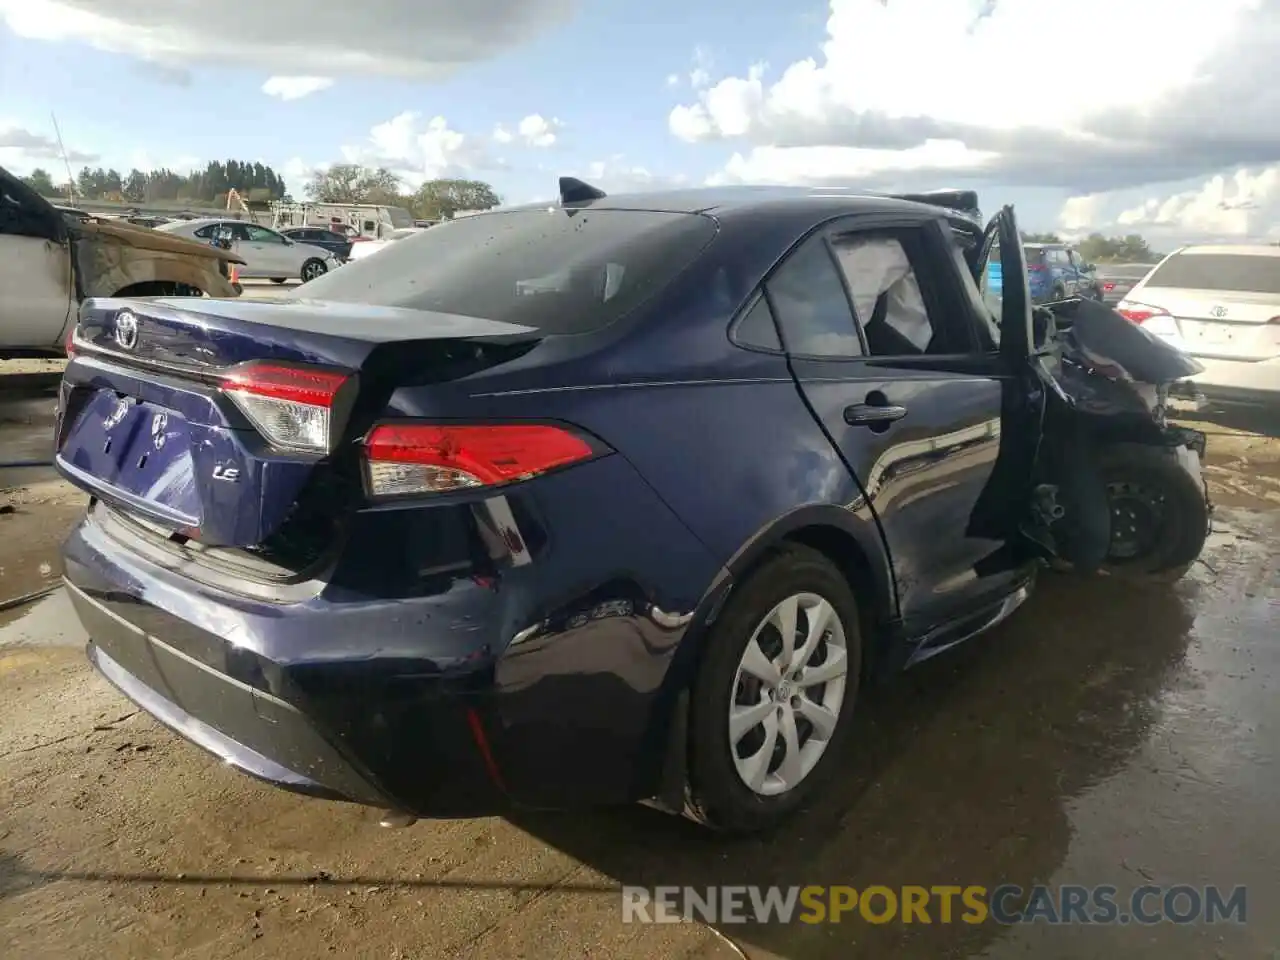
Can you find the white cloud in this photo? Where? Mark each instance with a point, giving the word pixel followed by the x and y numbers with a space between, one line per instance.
pixel 295 88
pixel 618 175
pixel 408 38
pixel 815 166
pixel 534 130
pixel 895 76
pixel 22 150
pixel 1243 204
pixel 703 64
pixel 417 150
pixel 1080 213
pixel 673 79
pixel 538 131
pixel 297 174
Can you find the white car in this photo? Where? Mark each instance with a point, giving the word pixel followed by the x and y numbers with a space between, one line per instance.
pixel 366 248
pixel 266 254
pixel 1221 305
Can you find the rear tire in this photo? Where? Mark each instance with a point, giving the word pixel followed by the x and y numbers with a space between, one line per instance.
pixel 749 773
pixel 279 279
pixel 1159 513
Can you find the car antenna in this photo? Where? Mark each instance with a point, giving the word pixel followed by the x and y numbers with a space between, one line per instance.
pixel 573 190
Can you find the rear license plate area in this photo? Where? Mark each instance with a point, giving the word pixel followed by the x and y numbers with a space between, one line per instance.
pixel 138 449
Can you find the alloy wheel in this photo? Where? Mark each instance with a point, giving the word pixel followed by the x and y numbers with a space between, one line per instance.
pixel 787 694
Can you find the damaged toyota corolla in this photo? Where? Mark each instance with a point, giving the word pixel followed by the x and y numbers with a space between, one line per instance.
pixel 613 499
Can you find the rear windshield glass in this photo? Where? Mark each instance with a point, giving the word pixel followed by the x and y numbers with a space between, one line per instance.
pixel 562 271
pixel 1123 271
pixel 1232 272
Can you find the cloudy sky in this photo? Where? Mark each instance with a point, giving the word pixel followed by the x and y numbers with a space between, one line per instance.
pixel 1152 116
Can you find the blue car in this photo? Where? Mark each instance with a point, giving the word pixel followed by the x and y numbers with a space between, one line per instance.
pixel 1055 271
pixel 610 500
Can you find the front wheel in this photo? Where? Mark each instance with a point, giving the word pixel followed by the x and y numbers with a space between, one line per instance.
pixel 775 692
pixel 313 268
pixel 1159 511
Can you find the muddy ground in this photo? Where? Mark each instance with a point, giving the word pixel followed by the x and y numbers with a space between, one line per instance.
pixel 1106 734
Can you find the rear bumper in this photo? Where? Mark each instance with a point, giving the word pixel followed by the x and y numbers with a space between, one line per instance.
pixel 243 727
pixel 547 683
pixel 1234 381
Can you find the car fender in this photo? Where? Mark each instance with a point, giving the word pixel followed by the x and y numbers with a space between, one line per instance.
pixel 105 267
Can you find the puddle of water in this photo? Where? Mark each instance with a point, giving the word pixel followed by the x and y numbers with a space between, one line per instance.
pixel 49 622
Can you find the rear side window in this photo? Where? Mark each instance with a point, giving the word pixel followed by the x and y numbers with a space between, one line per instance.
pixel 561 271
pixel 756 328
pixel 809 301
pixel 1035 256
pixel 206 233
pixel 1226 272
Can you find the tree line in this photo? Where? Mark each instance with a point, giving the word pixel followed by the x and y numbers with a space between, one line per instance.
pixel 1097 248
pixel 435 200
pixel 253 181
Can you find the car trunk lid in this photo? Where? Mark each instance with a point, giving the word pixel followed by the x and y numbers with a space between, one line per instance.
pixel 1205 323
pixel 222 420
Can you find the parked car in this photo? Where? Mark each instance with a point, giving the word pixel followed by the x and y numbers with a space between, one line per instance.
pixel 369 247
pixel 336 243
pixel 1117 279
pixel 1057 271
pixel 619 500
pixel 266 253
pixel 1221 305
pixel 53 257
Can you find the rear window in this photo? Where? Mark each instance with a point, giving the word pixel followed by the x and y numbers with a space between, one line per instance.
pixel 1035 256
pixel 1124 271
pixel 562 271
pixel 1228 272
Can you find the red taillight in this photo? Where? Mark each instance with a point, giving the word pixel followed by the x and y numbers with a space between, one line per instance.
pixel 291 405
pixel 69 345
pixel 1036 268
pixel 416 458
pixel 1140 313
pixel 1108 285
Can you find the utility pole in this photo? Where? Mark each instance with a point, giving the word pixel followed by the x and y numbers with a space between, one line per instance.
pixel 71 180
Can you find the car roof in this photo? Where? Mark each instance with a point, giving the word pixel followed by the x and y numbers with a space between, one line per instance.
pixel 1234 249
pixel 196 223
pixel 1045 246
pixel 822 201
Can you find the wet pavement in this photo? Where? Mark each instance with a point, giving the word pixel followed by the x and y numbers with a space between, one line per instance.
pixel 1107 734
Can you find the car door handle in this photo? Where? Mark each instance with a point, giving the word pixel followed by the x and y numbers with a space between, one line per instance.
pixel 866 414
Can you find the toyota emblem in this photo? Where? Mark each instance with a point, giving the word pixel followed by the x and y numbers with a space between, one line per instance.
pixel 126 330
pixel 1218 312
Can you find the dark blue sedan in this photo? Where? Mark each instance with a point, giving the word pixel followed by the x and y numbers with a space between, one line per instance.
pixel 574 504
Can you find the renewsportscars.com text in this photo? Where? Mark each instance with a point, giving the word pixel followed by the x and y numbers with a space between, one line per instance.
pixel 974 904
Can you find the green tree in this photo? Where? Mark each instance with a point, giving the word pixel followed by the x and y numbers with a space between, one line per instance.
pixel 40 181
pixel 86 186
pixel 1132 248
pixel 442 199
pixel 352 183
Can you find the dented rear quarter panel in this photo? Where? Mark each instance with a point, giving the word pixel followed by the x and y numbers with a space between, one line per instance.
pixel 110 257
